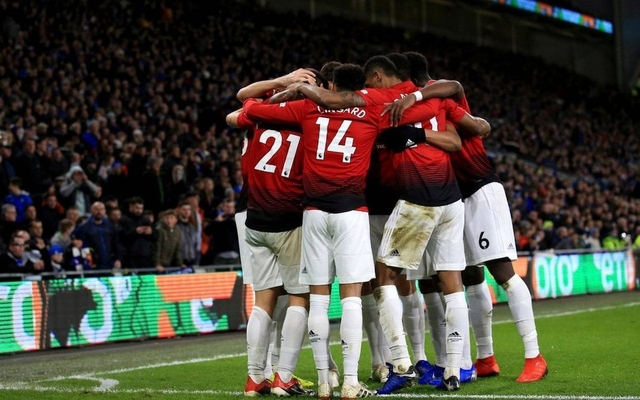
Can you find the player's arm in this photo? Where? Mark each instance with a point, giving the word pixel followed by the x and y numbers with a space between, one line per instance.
pixel 284 96
pixel 261 88
pixel 447 140
pixel 239 119
pixel 284 113
pixel 440 89
pixel 474 126
pixel 232 118
pixel 327 98
pixel 467 123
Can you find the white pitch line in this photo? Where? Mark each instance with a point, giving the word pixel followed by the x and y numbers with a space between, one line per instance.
pixel 395 395
pixel 91 375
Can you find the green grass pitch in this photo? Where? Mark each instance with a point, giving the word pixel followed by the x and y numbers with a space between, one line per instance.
pixel 592 345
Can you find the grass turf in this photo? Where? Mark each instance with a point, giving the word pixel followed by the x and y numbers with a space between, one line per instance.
pixel 590 343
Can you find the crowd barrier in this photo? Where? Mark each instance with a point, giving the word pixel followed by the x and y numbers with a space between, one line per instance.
pixel 85 310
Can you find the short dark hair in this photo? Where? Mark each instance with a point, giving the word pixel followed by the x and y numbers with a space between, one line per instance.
pixel 419 67
pixel 383 64
pixel 328 70
pixel 321 80
pixel 402 64
pixel 349 77
pixel 16 181
pixel 136 200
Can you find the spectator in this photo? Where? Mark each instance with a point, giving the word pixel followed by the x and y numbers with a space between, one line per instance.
pixel 202 241
pixel 78 256
pixel 27 165
pixel 7 171
pixel 73 214
pixel 51 214
pixel 15 259
pixel 593 239
pixel 177 187
pixel 168 246
pixel 8 224
pixel 188 233
pixel 117 182
pixel 137 236
pixel 151 187
pixel 78 191
pixel 37 242
pixel 19 198
pixel 56 257
pixel 223 248
pixel 30 214
pixel 98 234
pixel 208 200
pixel 63 237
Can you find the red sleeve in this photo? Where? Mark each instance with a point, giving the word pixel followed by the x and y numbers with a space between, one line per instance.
pixel 454 112
pixel 373 97
pixel 284 113
pixel 244 122
pixel 419 112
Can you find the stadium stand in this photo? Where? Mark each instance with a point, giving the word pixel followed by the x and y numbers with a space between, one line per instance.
pixel 103 101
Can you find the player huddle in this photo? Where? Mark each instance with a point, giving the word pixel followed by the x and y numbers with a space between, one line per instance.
pixel 376 176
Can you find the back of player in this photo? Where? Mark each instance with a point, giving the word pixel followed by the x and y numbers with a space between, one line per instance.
pixel 337 149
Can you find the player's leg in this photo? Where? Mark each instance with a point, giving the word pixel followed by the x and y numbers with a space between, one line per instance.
pixel 480 318
pixel 354 266
pixel 405 238
pixel 447 250
pixel 490 240
pixel 521 307
pixel 287 247
pixel 380 353
pixel 318 271
pixel 268 286
pixel 437 327
pixel 412 316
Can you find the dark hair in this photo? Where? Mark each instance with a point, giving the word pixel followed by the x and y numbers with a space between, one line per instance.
pixel 402 64
pixel 321 80
pixel 349 77
pixel 16 181
pixel 419 67
pixel 328 70
pixel 383 64
pixel 136 200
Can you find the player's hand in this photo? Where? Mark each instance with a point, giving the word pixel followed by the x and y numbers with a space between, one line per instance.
pixel 299 75
pixel 284 96
pixel 396 108
pixel 402 137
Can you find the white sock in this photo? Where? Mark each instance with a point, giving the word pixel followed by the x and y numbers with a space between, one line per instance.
pixel 279 313
pixel 466 362
pixel 457 316
pixel 480 318
pixel 522 312
pixel 293 331
pixel 413 319
pixel 437 326
pixel 258 328
pixel 268 368
pixel 319 333
pixel 351 336
pixel 390 309
pixel 371 324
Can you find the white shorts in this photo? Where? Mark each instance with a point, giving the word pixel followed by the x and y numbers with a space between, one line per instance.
pixel 335 245
pixel 376 229
pixel 275 260
pixel 488 229
pixel 245 254
pixel 412 229
pixel 425 268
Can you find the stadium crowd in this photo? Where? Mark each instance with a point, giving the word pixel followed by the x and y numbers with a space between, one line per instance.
pixel 114 138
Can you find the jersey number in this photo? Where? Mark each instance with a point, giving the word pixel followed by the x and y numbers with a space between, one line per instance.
pixel 347 149
pixel 264 166
pixel 483 242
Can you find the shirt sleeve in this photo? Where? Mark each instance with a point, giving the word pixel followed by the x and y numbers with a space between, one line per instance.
pixel 419 112
pixel 454 112
pixel 244 122
pixel 284 113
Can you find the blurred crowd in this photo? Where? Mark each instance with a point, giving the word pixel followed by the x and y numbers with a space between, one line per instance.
pixel 113 134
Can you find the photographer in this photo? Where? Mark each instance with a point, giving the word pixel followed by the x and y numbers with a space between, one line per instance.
pixel 137 235
pixel 78 191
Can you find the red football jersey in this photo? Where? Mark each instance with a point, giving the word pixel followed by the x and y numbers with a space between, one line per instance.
pixel 337 149
pixel 424 173
pixel 273 160
pixel 244 123
pixel 471 164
